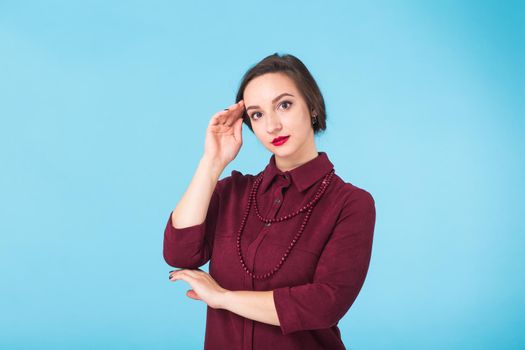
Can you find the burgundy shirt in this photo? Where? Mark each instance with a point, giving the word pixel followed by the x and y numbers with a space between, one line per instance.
pixel 319 280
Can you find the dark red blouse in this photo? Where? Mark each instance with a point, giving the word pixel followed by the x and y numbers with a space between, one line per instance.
pixel 319 280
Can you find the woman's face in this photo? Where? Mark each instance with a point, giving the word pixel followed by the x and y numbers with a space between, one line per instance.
pixel 276 108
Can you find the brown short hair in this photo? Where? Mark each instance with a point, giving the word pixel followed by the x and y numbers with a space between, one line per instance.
pixel 295 70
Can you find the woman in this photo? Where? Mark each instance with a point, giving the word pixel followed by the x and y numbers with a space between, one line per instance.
pixel 289 248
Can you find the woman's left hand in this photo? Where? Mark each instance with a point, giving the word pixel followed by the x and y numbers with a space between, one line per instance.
pixel 205 288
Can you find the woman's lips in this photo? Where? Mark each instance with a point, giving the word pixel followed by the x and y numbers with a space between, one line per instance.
pixel 281 141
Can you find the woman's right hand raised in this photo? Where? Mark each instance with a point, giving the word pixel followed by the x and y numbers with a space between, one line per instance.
pixel 224 135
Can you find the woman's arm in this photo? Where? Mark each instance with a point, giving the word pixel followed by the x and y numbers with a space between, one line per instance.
pixel 188 236
pixel 255 305
pixel 193 206
pixel 222 144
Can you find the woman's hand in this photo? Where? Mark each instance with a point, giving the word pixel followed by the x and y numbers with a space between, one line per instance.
pixel 224 135
pixel 204 286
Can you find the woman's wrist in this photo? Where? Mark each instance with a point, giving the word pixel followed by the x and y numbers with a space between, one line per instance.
pixel 255 305
pixel 215 167
pixel 224 299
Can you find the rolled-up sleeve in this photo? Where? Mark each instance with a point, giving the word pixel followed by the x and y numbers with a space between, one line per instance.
pixel 190 247
pixel 339 275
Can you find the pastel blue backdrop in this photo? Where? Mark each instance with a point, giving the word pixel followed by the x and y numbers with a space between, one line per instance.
pixel 104 106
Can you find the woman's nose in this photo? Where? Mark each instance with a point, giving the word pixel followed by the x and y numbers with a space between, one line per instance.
pixel 272 124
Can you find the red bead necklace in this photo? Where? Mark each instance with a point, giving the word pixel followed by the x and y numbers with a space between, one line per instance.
pixel 310 206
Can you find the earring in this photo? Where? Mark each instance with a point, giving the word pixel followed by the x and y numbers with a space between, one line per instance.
pixel 314 120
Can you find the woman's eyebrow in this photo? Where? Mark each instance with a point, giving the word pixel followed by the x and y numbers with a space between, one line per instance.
pixel 273 101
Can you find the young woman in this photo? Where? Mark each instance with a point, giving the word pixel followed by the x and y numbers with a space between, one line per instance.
pixel 289 247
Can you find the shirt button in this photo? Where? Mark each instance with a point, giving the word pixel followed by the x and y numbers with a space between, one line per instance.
pixel 268 223
pixel 277 201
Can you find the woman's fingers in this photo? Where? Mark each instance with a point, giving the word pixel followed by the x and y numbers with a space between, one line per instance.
pixel 237 113
pixel 218 118
pixel 185 272
pixel 208 289
pixel 229 116
pixel 237 129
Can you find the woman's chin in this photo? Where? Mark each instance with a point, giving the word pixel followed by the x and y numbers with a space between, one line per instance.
pixel 282 151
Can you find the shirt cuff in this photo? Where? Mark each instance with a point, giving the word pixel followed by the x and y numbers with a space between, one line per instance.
pixel 289 321
pixel 185 236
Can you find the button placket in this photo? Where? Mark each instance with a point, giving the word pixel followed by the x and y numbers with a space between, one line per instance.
pixel 276 206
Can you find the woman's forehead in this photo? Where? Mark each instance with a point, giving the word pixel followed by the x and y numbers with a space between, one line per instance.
pixel 268 86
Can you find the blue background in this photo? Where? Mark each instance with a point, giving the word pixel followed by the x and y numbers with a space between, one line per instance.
pixel 104 107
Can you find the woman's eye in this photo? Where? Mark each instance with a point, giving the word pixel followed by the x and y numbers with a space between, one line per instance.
pixel 283 103
pixel 254 114
pixel 287 103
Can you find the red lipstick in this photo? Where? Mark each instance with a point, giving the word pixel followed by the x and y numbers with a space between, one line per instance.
pixel 280 140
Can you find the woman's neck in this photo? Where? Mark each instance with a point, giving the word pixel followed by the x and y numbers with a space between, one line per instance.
pixel 289 163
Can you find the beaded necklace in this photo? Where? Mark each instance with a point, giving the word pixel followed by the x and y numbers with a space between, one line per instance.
pixel 310 206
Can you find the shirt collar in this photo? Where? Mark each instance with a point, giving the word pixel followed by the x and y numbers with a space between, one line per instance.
pixel 302 176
